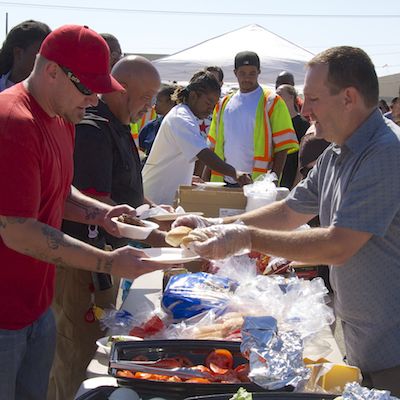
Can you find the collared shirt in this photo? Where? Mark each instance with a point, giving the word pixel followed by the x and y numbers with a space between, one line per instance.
pixel 106 162
pixel 356 186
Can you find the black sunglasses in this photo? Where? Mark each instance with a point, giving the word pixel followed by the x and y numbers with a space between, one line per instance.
pixel 75 80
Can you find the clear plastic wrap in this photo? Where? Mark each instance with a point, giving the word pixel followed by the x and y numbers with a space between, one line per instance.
pixel 119 322
pixel 297 304
pixel 353 391
pixel 187 295
pixel 210 325
pixel 145 324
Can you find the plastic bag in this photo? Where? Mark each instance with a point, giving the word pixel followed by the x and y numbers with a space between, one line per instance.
pixel 353 391
pixel 297 304
pixel 187 295
pixel 210 325
pixel 263 191
pixel 239 268
pixel 118 321
pixel 148 322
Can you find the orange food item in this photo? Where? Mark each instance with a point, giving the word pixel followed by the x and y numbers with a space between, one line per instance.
pixel 219 361
pixel 173 362
pixel 228 377
pixel 242 372
pixel 202 368
pixel 218 368
pixel 142 375
pixel 174 379
pixel 197 380
pixel 125 373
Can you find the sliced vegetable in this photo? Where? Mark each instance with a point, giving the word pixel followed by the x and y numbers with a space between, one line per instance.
pixel 220 361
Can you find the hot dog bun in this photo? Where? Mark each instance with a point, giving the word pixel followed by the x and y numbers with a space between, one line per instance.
pixel 175 236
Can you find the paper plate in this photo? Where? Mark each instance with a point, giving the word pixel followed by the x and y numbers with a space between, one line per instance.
pixel 134 231
pixel 169 255
pixel 105 342
pixel 210 184
pixel 174 216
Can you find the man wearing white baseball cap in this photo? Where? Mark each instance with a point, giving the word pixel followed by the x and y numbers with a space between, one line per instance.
pixel 36 160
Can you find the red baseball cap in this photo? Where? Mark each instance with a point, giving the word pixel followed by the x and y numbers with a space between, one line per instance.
pixel 85 53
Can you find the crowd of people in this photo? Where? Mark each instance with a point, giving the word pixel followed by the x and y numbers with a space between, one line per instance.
pixel 87 134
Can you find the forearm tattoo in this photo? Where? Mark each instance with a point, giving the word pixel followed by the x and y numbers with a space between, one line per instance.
pixel 56 239
pixel 4 221
pixel 91 213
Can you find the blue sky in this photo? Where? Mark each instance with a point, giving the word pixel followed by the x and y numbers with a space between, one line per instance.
pixel 160 26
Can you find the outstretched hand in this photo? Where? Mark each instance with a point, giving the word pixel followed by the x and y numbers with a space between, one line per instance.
pixel 220 241
pixel 109 225
pixel 126 263
pixel 195 221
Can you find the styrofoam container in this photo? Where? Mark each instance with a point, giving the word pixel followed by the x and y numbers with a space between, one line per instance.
pixel 133 231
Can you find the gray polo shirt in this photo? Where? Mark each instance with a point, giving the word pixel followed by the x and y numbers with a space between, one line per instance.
pixel 357 186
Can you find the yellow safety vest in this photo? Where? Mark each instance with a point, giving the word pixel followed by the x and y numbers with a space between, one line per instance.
pixel 137 126
pixel 263 148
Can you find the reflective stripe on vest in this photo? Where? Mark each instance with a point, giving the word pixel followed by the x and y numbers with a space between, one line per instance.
pixel 136 127
pixel 135 133
pixel 263 151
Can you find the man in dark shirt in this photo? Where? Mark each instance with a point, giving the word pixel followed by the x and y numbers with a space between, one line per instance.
pixel 107 167
pixel 300 125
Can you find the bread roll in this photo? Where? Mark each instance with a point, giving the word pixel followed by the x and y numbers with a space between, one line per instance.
pixel 194 236
pixel 175 236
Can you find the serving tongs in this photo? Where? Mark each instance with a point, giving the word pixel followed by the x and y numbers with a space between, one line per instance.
pixel 181 372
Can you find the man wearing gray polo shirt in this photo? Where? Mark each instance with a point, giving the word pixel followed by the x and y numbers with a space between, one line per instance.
pixel 355 190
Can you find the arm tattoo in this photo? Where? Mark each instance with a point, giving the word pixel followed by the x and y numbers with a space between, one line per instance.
pixel 11 221
pixel 56 239
pixel 16 220
pixel 91 213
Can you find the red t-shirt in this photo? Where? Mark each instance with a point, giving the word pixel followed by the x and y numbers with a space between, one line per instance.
pixel 36 164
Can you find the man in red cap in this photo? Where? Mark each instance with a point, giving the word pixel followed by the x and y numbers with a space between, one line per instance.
pixel 36 160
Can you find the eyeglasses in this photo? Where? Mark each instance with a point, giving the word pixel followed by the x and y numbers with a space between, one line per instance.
pixel 76 81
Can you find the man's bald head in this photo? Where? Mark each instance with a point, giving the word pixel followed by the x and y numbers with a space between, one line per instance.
pixel 134 68
pixel 141 81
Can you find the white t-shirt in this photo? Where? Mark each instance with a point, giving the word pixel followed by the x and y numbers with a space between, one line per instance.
pixel 173 155
pixel 239 118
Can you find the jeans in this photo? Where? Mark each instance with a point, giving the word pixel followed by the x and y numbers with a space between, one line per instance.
pixel 26 356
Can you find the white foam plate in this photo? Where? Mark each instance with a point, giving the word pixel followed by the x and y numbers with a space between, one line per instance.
pixel 133 231
pixel 210 184
pixel 174 216
pixel 105 343
pixel 169 255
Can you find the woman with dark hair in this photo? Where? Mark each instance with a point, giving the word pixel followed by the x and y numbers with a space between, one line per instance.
pixel 19 50
pixel 179 142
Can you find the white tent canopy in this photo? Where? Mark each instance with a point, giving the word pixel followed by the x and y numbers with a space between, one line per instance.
pixel 276 54
pixel 389 86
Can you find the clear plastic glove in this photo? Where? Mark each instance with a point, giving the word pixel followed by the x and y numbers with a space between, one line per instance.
pixel 220 241
pixel 195 221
